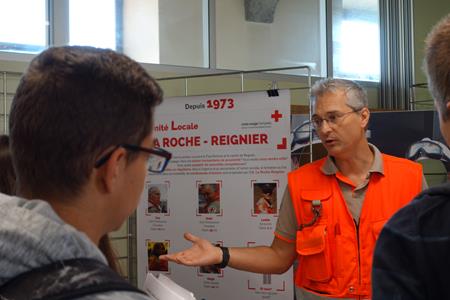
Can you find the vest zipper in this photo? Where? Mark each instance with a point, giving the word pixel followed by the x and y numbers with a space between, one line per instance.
pixel 359 254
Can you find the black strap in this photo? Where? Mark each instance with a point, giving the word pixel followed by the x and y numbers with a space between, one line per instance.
pixel 225 257
pixel 66 279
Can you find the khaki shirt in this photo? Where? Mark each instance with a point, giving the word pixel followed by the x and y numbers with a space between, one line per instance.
pixel 353 196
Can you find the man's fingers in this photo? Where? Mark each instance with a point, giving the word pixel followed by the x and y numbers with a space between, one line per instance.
pixel 190 237
pixel 178 257
pixel 170 257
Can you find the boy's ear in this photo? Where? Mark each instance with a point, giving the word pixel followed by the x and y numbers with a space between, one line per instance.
pixel 113 169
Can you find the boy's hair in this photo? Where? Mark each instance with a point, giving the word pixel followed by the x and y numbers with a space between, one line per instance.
pixel 71 105
pixel 437 64
pixel 7 175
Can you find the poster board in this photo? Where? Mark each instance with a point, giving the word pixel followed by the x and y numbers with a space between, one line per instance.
pixel 228 150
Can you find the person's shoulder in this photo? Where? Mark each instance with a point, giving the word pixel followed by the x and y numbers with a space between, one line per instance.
pixel 315 165
pixel 399 160
pixel 153 209
pixel 432 198
pixel 427 211
pixel 8 200
pixel 397 166
pixel 117 295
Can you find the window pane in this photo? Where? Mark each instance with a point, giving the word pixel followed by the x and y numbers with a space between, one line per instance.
pixel 254 34
pixel 356 39
pixel 141 30
pixel 24 30
pixel 183 31
pixel 92 23
pixel 173 32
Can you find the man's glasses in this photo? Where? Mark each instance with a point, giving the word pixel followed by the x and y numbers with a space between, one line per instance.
pixel 157 161
pixel 332 118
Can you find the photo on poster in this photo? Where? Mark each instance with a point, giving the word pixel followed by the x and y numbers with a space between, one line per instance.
pixel 154 250
pixel 209 198
pixel 211 269
pixel 265 198
pixel 156 198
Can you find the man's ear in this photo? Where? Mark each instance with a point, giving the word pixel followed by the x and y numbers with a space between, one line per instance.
pixel 365 116
pixel 112 170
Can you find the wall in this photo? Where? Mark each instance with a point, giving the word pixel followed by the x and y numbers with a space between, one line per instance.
pixel 183 31
pixel 296 36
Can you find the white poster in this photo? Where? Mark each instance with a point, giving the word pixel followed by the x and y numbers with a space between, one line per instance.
pixel 231 154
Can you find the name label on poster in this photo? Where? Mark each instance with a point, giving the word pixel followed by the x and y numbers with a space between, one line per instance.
pixel 158 225
pixel 211 283
pixel 265 224
pixel 209 226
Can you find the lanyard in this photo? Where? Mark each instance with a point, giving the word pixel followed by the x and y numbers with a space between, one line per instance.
pixel 316 207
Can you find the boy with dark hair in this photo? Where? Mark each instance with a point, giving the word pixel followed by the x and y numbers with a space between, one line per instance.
pixel 81 140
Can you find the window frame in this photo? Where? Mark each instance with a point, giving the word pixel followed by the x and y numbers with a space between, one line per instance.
pixel 58 35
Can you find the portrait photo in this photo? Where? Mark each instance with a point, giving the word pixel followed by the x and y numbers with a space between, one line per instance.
pixel 209 198
pixel 265 198
pixel 210 269
pixel 154 250
pixel 156 198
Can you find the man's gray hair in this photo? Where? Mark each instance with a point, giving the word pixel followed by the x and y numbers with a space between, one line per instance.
pixel 356 94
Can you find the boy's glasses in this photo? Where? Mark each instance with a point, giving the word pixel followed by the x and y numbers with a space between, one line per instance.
pixel 157 161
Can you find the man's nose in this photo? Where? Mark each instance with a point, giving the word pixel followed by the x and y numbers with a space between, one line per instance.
pixel 325 126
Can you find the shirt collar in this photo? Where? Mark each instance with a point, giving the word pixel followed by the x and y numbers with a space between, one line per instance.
pixel 330 168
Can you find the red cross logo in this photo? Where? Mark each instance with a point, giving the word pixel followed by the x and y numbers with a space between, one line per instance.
pixel 276 115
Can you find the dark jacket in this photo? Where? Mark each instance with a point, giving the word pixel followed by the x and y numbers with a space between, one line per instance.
pixel 412 255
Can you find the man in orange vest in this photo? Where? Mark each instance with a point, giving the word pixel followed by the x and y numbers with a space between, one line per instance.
pixel 411 259
pixel 333 209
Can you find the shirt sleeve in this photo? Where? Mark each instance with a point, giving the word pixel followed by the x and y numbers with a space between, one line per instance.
pixel 287 221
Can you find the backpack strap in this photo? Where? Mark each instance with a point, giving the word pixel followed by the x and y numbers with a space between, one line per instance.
pixel 65 279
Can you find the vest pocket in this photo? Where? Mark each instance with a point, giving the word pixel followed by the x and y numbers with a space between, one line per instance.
pixel 315 262
pixel 307 199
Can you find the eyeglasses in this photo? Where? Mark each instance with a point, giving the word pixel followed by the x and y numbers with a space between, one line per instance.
pixel 157 161
pixel 333 118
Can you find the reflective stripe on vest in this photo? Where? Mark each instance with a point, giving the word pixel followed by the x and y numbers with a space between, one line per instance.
pixel 335 256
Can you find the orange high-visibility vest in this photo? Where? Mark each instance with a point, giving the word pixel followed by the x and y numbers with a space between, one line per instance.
pixel 335 254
